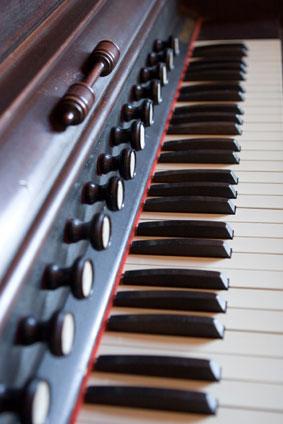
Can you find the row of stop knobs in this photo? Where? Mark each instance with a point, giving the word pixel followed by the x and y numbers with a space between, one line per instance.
pixel 32 402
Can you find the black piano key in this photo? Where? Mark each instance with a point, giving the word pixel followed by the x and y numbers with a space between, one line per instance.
pixel 208 107
pixel 182 247
pixel 193 189
pixel 167 324
pixel 178 300
pixel 235 53
pixel 186 228
pixel 213 86
pixel 204 64
pixel 176 278
pixel 190 204
pixel 202 144
pixel 214 75
pixel 207 117
pixel 220 46
pixel 216 95
pixel 219 59
pixel 206 128
pixel 152 398
pixel 160 366
pixel 196 175
pixel 200 156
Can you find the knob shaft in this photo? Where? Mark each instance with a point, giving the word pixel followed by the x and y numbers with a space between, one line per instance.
pixel 79 276
pixel 134 135
pixel 166 56
pixel 97 231
pixel 125 163
pixel 112 192
pixel 80 97
pixel 158 71
pixel 31 403
pixel 172 43
pixel 150 90
pixel 58 332
pixel 142 110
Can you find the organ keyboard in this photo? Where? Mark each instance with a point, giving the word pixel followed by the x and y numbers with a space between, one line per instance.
pixel 141 214
pixel 250 351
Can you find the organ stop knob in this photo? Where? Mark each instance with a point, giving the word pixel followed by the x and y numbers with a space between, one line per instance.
pixel 58 332
pixel 79 276
pixel 135 135
pixel 113 192
pixel 31 403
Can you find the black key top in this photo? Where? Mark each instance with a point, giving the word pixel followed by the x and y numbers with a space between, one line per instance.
pixel 167 324
pixel 182 247
pixel 206 128
pixel 208 107
pixel 178 300
pixel 152 398
pixel 196 175
pixel 212 86
pixel 214 75
pixel 193 189
pixel 202 144
pixel 218 59
pixel 210 95
pixel 204 64
pixel 190 204
pixel 160 366
pixel 186 228
pixel 174 277
pixel 200 156
pixel 235 52
pixel 232 46
pixel 207 117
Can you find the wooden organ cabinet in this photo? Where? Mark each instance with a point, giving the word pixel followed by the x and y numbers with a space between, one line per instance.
pixel 141 220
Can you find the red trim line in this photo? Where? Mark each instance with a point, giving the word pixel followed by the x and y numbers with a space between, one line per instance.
pixel 119 273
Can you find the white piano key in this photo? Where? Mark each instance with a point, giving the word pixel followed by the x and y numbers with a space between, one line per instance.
pixel 242 215
pixel 249 86
pixel 252 189
pixel 254 146
pixel 247 166
pixel 260 154
pixel 111 415
pixel 254 299
pixel 237 261
pixel 260 177
pixel 259 202
pixel 256 245
pixel 234 343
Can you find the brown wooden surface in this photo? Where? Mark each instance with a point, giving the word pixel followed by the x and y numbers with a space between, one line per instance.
pixel 18 18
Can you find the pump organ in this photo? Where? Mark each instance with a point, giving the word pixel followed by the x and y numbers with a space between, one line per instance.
pixel 141 214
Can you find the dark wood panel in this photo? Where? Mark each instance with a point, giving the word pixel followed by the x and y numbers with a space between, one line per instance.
pixel 19 18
